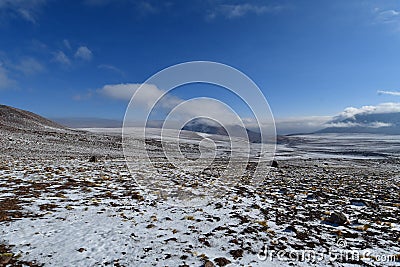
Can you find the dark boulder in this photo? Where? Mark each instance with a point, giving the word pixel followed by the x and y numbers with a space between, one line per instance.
pixel 274 164
pixel 337 218
pixel 93 159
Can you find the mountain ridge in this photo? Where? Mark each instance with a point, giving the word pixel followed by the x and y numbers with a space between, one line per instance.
pixel 375 123
pixel 209 126
pixel 17 119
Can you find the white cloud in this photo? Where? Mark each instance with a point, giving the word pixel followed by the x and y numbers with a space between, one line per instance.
pixel 150 93
pixel 350 112
pixel 125 91
pixel 348 124
pixel 378 124
pixel 5 81
pixel 347 118
pixel 61 58
pixel 25 9
pixel 393 93
pixel 241 10
pixel 84 53
pixel 29 66
pixel 387 16
pixel 343 124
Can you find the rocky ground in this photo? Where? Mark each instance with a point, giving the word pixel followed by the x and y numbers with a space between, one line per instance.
pixel 61 207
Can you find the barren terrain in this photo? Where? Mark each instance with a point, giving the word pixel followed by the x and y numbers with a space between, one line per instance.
pixel 59 206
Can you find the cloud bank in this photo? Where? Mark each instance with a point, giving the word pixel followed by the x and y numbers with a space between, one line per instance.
pixel 349 117
pixel 366 116
pixel 382 108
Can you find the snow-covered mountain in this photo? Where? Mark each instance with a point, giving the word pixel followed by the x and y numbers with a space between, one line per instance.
pixel 209 126
pixel 379 123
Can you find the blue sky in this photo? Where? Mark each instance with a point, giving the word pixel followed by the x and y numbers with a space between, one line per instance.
pixel 310 58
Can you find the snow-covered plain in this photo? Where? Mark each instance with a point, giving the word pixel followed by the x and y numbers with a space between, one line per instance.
pixel 59 209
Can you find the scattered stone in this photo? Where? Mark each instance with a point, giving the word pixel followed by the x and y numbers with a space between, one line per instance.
pixel 204 241
pixel 218 205
pixel 3 217
pixel 274 164
pixel 238 253
pixel 5 258
pixel 222 261
pixel 291 228
pixel 358 202
pixel 137 196
pixel 338 218
pixel 93 159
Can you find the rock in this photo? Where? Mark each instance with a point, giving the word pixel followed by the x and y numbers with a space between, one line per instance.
pixel 150 226
pixel 222 261
pixel 5 258
pixel 291 228
pixel 93 159
pixel 208 264
pixel 358 202
pixel 3 217
pixel 302 235
pixel 338 218
pixel 274 164
pixel 48 169
pixel 218 205
pixel 238 253
pixel 137 196
pixel 204 241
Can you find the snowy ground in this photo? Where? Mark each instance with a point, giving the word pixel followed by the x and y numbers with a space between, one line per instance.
pixel 67 211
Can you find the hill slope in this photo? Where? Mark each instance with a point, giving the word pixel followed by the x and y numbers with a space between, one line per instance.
pixel 24 134
pixel 17 119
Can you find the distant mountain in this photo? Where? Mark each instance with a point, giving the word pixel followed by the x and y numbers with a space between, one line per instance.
pixel 208 126
pixel 88 122
pixel 17 119
pixel 205 126
pixel 377 123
